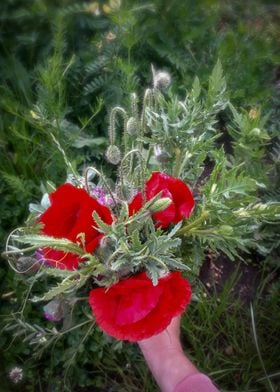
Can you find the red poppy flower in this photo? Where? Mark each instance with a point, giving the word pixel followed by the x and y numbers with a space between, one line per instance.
pixel 133 309
pixel 182 202
pixel 69 215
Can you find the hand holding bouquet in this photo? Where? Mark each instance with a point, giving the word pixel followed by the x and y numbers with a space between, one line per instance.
pixel 117 238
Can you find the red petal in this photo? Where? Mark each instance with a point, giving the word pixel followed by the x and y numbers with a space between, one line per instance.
pixel 136 204
pixel 139 318
pixel 70 215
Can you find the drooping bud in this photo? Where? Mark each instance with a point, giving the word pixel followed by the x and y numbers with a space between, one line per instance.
pixel 105 249
pixel 131 126
pixel 125 191
pixel 27 265
pixel 113 154
pixel 161 155
pixel 160 205
pixel 54 310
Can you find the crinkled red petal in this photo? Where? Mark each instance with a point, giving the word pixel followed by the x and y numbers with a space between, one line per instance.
pixel 69 215
pixel 134 309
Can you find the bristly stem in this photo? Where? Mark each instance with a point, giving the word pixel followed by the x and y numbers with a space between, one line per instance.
pixel 66 160
pixel 184 230
pixel 178 158
pixel 147 101
pixel 112 125
pixel 142 168
pixel 91 168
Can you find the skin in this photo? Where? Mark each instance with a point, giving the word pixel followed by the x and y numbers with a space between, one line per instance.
pixel 165 357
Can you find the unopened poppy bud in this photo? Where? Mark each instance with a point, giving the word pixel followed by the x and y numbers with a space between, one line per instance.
pixel 54 310
pixel 225 230
pixel 107 242
pixel 131 126
pixel 161 155
pixel 125 191
pixel 161 80
pixel 255 132
pixel 27 265
pixel 160 204
pixel 113 154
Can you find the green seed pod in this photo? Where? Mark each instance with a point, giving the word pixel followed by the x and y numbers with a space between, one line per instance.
pixel 113 155
pixel 131 126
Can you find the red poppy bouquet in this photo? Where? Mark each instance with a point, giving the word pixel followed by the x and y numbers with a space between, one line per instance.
pixel 116 238
pixel 118 242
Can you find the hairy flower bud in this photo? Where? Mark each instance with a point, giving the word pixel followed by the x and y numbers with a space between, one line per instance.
pixel 54 310
pixel 160 204
pixel 27 265
pixel 225 230
pixel 161 155
pixel 161 80
pixel 131 126
pixel 255 132
pixel 113 154
pixel 125 191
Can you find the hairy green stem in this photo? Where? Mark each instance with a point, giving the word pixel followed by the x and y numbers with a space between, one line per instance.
pixel 102 179
pixel 177 167
pixel 184 230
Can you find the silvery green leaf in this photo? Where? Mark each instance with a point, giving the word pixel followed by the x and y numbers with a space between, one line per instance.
pixel 174 230
pixel 36 208
pixel 101 226
pixel 53 292
pixel 81 142
pixel 153 272
pixel 45 201
pixel 174 263
pixel 46 241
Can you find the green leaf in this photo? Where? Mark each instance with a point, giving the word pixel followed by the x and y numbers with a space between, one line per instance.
pixel 101 226
pixel 63 287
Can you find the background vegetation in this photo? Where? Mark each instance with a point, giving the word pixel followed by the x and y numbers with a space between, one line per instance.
pixel 71 62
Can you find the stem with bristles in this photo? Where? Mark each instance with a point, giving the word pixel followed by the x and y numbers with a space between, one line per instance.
pixel 90 168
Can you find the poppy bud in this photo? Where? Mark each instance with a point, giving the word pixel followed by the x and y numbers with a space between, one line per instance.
pixel 54 310
pixel 131 126
pixel 225 230
pixel 161 155
pixel 255 132
pixel 27 265
pixel 160 204
pixel 113 154
pixel 125 191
